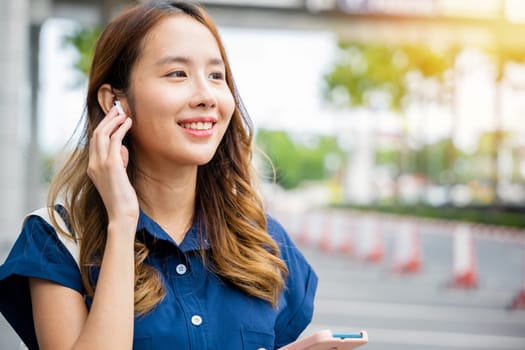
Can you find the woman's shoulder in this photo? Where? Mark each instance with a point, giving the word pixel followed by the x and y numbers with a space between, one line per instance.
pixel 40 251
pixel 37 231
pixel 36 253
pixel 277 231
pixel 51 223
pixel 289 251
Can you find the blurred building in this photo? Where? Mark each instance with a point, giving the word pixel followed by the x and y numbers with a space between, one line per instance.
pixel 437 22
pixel 14 116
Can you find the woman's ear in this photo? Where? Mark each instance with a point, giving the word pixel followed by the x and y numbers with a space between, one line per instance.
pixel 106 96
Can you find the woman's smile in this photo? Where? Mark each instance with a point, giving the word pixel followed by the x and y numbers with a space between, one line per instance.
pixel 198 126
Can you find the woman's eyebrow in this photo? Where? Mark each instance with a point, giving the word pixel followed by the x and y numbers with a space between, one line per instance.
pixel 216 62
pixel 172 59
pixel 185 60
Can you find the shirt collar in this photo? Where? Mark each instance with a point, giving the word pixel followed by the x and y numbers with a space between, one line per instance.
pixel 194 239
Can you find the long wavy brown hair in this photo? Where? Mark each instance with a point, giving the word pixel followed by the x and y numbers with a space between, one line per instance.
pixel 242 252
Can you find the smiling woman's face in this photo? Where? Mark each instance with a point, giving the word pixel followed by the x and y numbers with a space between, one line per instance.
pixel 181 104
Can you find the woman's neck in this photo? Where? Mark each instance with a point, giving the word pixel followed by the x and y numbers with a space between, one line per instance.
pixel 168 198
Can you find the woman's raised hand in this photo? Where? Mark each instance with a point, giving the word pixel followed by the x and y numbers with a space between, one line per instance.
pixel 108 159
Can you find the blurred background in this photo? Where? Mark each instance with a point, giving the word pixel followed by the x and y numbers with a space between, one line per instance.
pixel 394 135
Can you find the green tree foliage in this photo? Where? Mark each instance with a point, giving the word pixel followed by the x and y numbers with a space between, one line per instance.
pixel 84 41
pixel 296 159
pixel 429 159
pixel 362 69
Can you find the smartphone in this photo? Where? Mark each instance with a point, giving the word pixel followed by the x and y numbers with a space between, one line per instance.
pixel 117 104
pixel 326 340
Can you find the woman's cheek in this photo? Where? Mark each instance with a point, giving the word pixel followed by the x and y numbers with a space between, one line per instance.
pixel 228 104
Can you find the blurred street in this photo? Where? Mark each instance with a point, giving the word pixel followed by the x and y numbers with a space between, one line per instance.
pixel 417 310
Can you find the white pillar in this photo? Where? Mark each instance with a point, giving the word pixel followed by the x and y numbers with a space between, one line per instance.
pixel 359 174
pixel 14 114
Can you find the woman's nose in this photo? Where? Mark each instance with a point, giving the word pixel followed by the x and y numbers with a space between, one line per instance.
pixel 203 94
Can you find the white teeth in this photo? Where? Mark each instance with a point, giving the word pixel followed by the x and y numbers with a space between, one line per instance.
pixel 198 125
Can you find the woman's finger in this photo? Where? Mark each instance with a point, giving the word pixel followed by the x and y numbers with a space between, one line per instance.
pixel 102 134
pixel 109 125
pixel 108 118
pixel 117 136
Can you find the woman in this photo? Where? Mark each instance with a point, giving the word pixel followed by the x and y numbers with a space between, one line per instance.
pixel 175 249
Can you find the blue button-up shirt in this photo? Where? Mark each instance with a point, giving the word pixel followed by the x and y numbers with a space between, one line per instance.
pixel 200 310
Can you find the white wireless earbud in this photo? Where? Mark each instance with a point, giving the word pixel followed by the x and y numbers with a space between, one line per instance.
pixel 119 107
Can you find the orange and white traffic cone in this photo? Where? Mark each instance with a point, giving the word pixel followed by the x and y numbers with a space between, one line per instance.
pixel 465 273
pixel 346 245
pixel 336 236
pixel 291 221
pixel 326 232
pixel 371 239
pixel 302 233
pixel 519 301
pixel 407 254
pixel 312 228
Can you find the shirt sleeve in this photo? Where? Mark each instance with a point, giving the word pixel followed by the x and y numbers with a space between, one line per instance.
pixel 297 301
pixel 36 253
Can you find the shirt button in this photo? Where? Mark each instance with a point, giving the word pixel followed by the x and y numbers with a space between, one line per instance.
pixel 181 269
pixel 196 320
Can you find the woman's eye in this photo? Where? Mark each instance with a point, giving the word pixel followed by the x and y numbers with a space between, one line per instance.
pixel 217 75
pixel 177 74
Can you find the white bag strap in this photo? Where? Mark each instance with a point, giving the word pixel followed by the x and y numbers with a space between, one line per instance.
pixel 70 244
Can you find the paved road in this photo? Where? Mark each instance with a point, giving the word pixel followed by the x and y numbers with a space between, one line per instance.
pixel 420 310
pixel 410 311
